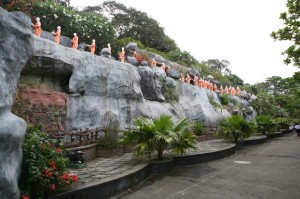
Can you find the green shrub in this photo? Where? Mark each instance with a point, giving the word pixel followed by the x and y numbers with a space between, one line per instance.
pixel 283 123
pixel 224 99
pixel 169 93
pixel 197 128
pixel 43 165
pixel 235 128
pixel 265 124
pixel 216 105
pixel 159 134
pixel 109 141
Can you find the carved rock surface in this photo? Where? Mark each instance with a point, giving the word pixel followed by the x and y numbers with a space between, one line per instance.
pixel 196 105
pixel 151 83
pixel 16 46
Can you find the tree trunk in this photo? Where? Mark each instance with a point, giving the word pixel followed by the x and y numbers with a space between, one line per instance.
pixel 159 154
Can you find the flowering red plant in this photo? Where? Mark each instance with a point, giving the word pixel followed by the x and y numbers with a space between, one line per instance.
pixel 43 169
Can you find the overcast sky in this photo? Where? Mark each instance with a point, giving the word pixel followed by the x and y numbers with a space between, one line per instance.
pixel 236 30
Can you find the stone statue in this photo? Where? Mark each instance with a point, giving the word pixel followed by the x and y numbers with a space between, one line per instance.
pixel 163 66
pixel 238 90
pixel 92 46
pixel 57 35
pixel 215 88
pixel 196 80
pixel 221 89
pixel 122 55
pixel 153 63
pixel 232 91
pixel 109 48
pixel 75 41
pixel 188 79
pixel 226 90
pixel 181 77
pixel 37 27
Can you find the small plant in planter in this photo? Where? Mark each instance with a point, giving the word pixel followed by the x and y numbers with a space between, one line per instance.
pixel 265 124
pixel 109 145
pixel 159 134
pixel 283 123
pixel 197 128
pixel 235 128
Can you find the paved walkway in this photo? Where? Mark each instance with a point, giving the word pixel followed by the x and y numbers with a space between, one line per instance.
pixel 102 170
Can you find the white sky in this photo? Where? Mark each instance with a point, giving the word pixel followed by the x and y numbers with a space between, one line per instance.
pixel 236 30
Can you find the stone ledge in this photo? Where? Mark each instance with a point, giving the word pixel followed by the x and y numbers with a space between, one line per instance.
pixel 253 140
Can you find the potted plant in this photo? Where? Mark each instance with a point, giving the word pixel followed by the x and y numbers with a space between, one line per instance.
pixel 157 135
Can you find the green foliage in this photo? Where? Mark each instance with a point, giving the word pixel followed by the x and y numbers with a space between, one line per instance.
pixel 43 165
pixel 235 80
pixel 169 93
pixel 109 141
pixel 290 32
pixel 129 22
pixel 158 134
pixel 217 65
pixel 224 99
pixel 182 57
pixel 235 128
pixel 265 124
pixel 215 104
pixel 283 123
pixel 265 104
pixel 197 128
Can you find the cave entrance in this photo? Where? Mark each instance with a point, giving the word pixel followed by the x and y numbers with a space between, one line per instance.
pixel 42 93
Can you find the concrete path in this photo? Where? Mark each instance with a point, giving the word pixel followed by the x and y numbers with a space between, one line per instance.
pixel 103 170
pixel 270 170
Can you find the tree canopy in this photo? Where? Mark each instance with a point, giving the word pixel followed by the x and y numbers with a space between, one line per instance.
pixel 290 32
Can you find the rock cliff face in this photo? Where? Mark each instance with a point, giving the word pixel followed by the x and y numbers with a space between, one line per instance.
pixel 97 87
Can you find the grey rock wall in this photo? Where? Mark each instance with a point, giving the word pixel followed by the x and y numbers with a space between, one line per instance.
pixel 16 46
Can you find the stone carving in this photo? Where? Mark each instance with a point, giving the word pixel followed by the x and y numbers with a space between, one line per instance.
pixel 130 49
pixel 105 53
pixel 151 83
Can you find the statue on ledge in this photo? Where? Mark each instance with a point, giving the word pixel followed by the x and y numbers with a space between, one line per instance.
pixel 92 46
pixel 37 27
pixel 57 35
pixel 75 41
pixel 122 55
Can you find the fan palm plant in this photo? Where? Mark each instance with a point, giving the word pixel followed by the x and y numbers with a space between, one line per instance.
pixel 235 128
pixel 266 124
pixel 159 134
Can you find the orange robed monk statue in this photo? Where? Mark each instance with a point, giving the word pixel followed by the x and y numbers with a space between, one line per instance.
pixel 92 46
pixel 37 27
pixel 153 63
pixel 57 35
pixel 188 79
pixel 122 55
pixel 75 41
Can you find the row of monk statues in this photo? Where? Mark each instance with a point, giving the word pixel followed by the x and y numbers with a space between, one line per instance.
pixel 196 81
pixel 38 32
pixel 208 85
